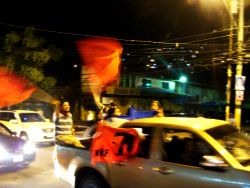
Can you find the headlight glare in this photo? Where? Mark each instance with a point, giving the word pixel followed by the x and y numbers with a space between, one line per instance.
pixel 3 152
pixel 29 148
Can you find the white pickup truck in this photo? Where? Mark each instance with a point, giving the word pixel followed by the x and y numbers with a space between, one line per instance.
pixel 177 152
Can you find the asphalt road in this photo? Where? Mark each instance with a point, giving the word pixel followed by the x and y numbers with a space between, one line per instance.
pixel 38 175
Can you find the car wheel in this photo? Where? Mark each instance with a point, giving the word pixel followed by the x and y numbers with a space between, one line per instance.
pixel 24 136
pixel 89 181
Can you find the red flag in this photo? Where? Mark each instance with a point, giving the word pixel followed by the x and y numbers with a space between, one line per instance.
pixel 114 144
pixel 101 60
pixel 13 88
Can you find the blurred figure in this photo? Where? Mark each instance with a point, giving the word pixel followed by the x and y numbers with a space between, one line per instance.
pixel 114 116
pixel 63 120
pixel 113 111
pixel 232 120
pixel 40 111
pixel 108 111
pixel 156 106
pixel 90 119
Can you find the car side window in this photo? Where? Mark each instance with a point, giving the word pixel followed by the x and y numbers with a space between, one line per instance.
pixel 7 116
pixel 184 147
pixel 145 134
pixel 145 142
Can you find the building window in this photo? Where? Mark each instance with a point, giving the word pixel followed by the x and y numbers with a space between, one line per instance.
pixel 165 85
pixel 133 82
pixel 127 85
pixel 168 85
pixel 146 83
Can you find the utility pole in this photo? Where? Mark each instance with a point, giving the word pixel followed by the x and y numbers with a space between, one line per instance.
pixel 233 10
pixel 239 65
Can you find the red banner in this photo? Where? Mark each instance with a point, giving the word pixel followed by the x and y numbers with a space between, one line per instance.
pixel 13 88
pixel 114 144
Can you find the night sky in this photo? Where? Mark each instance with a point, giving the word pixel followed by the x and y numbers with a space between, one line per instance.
pixel 64 22
pixel 129 19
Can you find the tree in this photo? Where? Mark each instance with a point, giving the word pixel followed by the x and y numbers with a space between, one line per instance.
pixel 26 54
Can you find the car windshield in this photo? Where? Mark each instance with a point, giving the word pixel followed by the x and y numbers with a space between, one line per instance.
pixel 31 117
pixel 237 143
pixel 4 131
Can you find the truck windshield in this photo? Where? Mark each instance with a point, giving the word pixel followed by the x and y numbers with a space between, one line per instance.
pixel 31 117
pixel 237 143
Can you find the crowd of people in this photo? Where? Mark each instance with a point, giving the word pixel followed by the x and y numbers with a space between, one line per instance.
pixel 110 114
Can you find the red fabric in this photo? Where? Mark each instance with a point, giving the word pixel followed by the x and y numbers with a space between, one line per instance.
pixel 114 144
pixel 101 60
pixel 13 88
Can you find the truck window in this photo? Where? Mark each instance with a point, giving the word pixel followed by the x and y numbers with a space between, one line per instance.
pixel 184 147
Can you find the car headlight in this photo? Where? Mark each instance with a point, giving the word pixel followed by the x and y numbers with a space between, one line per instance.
pixel 35 132
pixel 29 148
pixel 3 152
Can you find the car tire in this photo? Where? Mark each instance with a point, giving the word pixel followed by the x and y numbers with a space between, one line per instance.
pixel 24 136
pixel 90 181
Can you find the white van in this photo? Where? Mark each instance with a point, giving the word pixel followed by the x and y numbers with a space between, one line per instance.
pixel 29 125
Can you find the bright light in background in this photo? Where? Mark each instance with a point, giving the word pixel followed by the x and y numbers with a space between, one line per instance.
pixel 210 8
pixel 183 79
pixel 206 3
pixel 3 152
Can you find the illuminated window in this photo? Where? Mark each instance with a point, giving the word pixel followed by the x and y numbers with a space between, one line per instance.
pixel 146 83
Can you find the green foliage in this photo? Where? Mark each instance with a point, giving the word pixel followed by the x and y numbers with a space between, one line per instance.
pixel 11 39
pixel 26 54
pixel 48 82
pixel 33 74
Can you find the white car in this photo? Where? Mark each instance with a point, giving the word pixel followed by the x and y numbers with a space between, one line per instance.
pixel 29 125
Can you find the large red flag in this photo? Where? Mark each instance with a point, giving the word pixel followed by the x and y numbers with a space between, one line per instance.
pixel 101 60
pixel 114 144
pixel 13 88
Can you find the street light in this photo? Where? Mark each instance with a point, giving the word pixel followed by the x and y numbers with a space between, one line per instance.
pixel 183 79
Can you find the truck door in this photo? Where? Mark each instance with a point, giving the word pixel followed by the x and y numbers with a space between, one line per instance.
pixel 180 166
pixel 135 172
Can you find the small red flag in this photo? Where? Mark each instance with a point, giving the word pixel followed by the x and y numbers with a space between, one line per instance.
pixel 13 88
pixel 114 144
